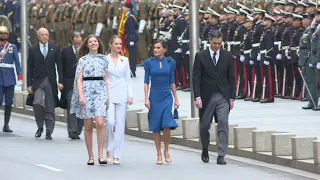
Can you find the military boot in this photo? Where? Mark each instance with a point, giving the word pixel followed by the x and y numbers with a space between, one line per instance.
pixel 7 114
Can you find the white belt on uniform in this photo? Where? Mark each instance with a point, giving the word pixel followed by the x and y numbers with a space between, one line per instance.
pixel 185 41
pixel 293 48
pixel 247 51
pixel 236 43
pixel 5 65
pixel 163 32
pixel 263 51
pixel 256 45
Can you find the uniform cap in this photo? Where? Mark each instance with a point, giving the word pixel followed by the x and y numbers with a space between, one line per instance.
pixel 276 13
pixel 244 7
pixel 311 3
pixel 171 13
pixel 279 2
pixel 286 14
pixel 186 12
pixel 291 3
pixel 269 17
pixel 214 13
pixel 178 7
pixel 297 16
pixel 243 12
pixel 225 11
pixel 302 4
pixel 201 11
pixel 5 25
pixel 308 16
pixel 233 11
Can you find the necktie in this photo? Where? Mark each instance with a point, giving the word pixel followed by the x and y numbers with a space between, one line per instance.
pixel 45 52
pixel 214 58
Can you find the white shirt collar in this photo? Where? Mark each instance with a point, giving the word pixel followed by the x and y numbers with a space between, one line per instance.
pixel 41 45
pixel 217 55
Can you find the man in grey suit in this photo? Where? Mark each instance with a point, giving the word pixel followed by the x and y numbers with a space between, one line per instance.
pixel 214 90
pixel 41 81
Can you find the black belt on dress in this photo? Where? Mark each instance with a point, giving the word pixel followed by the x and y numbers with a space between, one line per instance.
pixel 92 78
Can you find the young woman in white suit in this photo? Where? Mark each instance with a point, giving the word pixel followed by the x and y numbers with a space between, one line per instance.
pixel 120 94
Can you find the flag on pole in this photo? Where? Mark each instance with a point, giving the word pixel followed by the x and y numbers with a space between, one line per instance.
pixel 121 34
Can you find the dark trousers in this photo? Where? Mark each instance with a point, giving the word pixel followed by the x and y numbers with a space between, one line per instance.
pixel 132 57
pixel 44 105
pixel 310 75
pixel 250 74
pixel 298 79
pixel 7 92
pixel 259 79
pixel 186 64
pixel 289 78
pixel 181 77
pixel 280 72
pixel 242 75
pixel 268 71
pixel 75 125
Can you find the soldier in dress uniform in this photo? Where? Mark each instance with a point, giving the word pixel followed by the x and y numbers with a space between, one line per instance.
pixel 258 29
pixel 91 18
pixel 224 25
pixel 267 59
pixel 67 25
pixel 232 27
pixel 204 33
pixel 296 81
pixel 33 13
pixel 142 18
pixel 102 25
pixel 246 48
pixel 186 50
pixel 305 61
pixel 9 58
pixel 79 17
pixel 175 50
pixel 300 8
pixel 242 89
pixel 315 49
pixel 58 25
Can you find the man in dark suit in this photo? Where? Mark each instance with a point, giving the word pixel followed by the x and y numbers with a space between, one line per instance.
pixel 69 64
pixel 214 90
pixel 131 36
pixel 41 81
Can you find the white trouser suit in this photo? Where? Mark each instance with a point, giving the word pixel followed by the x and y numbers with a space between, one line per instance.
pixel 120 89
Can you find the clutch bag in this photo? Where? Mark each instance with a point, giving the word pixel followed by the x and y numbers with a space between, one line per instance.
pixel 175 114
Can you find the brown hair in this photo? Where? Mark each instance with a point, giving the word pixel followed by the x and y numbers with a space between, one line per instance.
pixel 84 50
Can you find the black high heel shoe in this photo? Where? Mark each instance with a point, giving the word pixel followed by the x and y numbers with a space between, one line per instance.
pixel 103 161
pixel 90 162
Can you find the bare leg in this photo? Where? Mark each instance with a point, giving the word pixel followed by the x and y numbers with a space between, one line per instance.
pixel 157 141
pixel 100 134
pixel 166 140
pixel 88 127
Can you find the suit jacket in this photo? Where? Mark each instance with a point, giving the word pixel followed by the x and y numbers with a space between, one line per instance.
pixel 69 65
pixel 205 79
pixel 39 67
pixel 119 80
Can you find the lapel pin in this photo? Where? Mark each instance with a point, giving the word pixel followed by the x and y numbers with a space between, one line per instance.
pixel 51 49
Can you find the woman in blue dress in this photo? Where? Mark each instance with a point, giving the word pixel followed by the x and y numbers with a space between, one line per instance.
pixel 159 70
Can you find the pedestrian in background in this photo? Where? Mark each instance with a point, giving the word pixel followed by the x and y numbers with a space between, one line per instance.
pixel 90 93
pixel 69 65
pixel 120 93
pixel 159 70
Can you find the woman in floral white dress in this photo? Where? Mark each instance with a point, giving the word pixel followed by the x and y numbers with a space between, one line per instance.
pixel 90 95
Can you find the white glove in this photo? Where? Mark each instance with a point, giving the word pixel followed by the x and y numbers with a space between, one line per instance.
pixel 82 32
pixel 289 57
pixel 168 36
pixel 155 35
pixel 179 50
pixel 266 63
pixel 313 24
pixel 31 27
pixel 279 56
pixel 310 65
pixel 318 65
pixel 242 58
pixel 286 52
pixel 140 31
pixel 131 43
pixel 51 30
pixel 188 52
pixel 251 62
pixel 149 25
pixel 259 57
pixel 19 82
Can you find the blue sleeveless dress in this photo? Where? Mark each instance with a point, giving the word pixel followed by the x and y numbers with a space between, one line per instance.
pixel 161 100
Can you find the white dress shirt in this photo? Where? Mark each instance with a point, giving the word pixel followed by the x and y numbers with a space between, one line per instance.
pixel 41 47
pixel 217 55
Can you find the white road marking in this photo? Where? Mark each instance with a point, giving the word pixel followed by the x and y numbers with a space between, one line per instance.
pixel 49 167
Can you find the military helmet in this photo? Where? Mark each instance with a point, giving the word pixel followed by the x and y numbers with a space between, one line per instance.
pixel 5 25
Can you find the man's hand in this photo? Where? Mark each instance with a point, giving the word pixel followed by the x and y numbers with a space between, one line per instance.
pixel 198 103
pixel 130 101
pixel 231 104
pixel 60 86
pixel 29 89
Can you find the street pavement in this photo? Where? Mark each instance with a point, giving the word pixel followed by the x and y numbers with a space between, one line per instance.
pixel 25 158
pixel 281 116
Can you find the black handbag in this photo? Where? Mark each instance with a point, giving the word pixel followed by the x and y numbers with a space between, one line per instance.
pixel 175 114
pixel 29 100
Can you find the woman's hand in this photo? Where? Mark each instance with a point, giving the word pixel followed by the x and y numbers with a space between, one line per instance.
pixel 82 101
pixel 147 103
pixel 130 101
pixel 176 104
